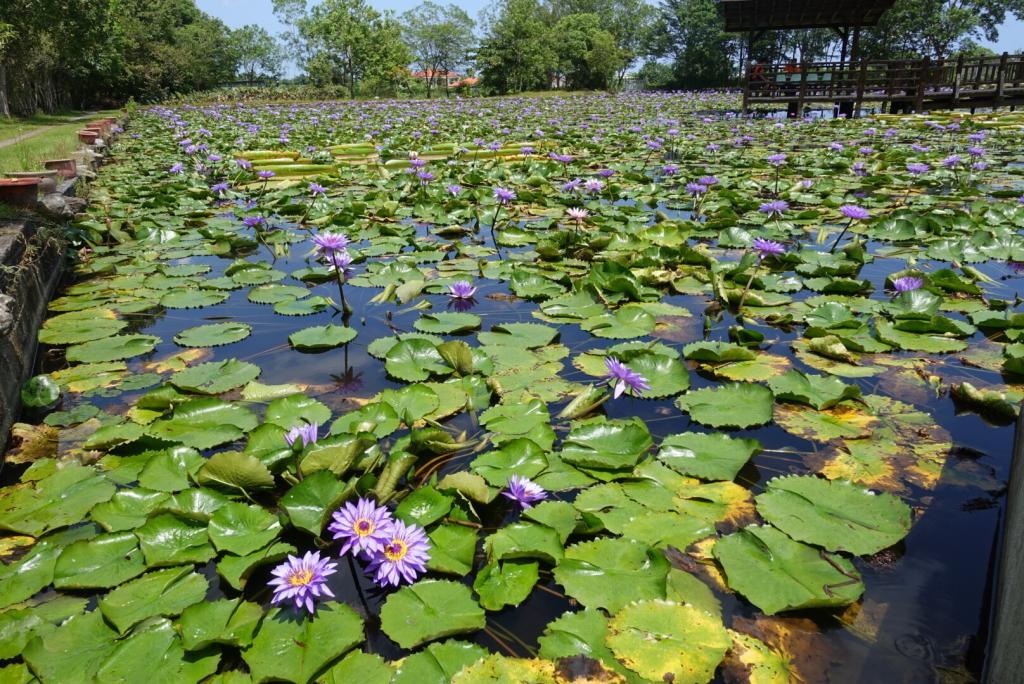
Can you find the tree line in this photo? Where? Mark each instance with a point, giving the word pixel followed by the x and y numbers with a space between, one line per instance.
pixel 70 53
pixel 64 54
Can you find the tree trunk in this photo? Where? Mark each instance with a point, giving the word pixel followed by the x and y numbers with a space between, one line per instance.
pixel 5 107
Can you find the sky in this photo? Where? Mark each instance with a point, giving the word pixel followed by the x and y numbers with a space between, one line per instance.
pixel 237 13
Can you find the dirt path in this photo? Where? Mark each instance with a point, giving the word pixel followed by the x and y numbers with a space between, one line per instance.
pixel 36 131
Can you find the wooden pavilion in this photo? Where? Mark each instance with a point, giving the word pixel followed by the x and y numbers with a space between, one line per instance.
pixel 905 85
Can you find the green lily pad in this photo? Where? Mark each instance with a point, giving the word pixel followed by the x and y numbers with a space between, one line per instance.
pixel 215 377
pixel 429 610
pixel 40 391
pixel 321 337
pixel 213 335
pixel 241 529
pixel 709 456
pixel 662 640
pixel 296 649
pixel 447 323
pixel 231 622
pixel 113 348
pixel 611 573
pixel 739 405
pixel 161 592
pixel 837 515
pixel 505 584
pixel 607 444
pixel 776 573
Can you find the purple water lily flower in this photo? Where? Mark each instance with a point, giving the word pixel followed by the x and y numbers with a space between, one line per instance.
pixel 219 188
pixel 917 168
pixel 177 167
pixel 524 491
pixel 707 181
pixel 454 189
pixel 326 243
pixel 572 185
pixel 244 164
pixel 854 212
pixel 253 221
pixel 317 189
pixel 593 185
pixel 306 434
pixel 265 175
pixel 669 170
pixel 907 283
pixel 776 160
pixel 364 526
pixel 774 208
pixel 623 378
pixel 951 161
pixel 766 248
pixel 340 260
pixel 696 188
pixel 461 290
pixel 503 195
pixel 403 557
pixel 302 580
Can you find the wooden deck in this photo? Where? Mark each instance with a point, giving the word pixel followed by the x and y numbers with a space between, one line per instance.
pixel 907 85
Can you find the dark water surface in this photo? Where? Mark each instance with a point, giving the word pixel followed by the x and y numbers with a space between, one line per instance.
pixel 925 608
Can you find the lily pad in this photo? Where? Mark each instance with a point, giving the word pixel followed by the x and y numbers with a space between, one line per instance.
pixel 837 515
pixel 739 405
pixel 429 610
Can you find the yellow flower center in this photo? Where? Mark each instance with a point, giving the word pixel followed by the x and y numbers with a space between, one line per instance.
pixel 363 527
pixel 396 550
pixel 300 578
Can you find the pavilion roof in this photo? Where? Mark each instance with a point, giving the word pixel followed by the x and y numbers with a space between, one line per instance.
pixel 757 15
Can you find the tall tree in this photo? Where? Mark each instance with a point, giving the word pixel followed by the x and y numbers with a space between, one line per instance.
pixel 439 37
pixel 345 42
pixel 517 52
pixel 257 53
pixel 692 34
pixel 938 28
pixel 588 56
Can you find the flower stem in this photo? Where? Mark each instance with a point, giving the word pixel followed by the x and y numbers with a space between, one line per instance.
pixel 836 243
pixel 359 586
pixel 746 289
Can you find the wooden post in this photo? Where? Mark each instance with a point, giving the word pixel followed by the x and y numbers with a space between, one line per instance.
pixel 803 90
pixel 922 81
pixel 1000 81
pixel 861 78
pixel 746 86
pixel 956 81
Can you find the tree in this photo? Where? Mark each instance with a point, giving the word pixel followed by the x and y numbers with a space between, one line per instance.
pixel 588 56
pixel 938 28
pixel 345 42
pixel 691 32
pixel 517 53
pixel 439 38
pixel 257 53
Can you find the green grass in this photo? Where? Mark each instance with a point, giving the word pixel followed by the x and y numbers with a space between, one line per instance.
pixel 57 141
pixel 18 125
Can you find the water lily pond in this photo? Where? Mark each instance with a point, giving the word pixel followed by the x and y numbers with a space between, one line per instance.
pixel 621 389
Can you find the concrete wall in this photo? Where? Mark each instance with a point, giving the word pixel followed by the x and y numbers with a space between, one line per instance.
pixel 29 278
pixel 1005 662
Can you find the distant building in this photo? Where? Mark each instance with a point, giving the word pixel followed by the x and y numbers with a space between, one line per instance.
pixel 439 77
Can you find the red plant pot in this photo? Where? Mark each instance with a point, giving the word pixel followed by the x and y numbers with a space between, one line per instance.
pixel 65 168
pixel 88 137
pixel 19 192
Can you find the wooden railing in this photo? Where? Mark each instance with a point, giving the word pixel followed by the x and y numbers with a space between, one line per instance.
pixel 960 82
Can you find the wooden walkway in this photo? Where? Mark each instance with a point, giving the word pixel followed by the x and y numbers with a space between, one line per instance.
pixel 906 85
